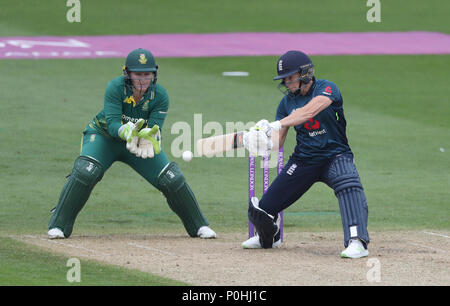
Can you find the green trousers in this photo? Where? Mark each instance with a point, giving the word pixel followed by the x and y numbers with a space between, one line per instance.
pixel 107 150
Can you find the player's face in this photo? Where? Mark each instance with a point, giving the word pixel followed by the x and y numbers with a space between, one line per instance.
pixel 292 82
pixel 141 80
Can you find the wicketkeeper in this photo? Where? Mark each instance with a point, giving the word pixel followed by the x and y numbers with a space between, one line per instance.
pixel 128 130
pixel 314 108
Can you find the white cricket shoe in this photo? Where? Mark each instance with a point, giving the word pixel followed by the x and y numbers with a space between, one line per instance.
pixel 253 243
pixel 206 232
pixel 355 249
pixel 55 233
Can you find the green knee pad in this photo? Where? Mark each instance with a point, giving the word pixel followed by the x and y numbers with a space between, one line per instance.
pixel 181 199
pixel 86 173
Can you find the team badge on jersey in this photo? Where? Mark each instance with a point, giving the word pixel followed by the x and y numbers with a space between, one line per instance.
pixel 145 106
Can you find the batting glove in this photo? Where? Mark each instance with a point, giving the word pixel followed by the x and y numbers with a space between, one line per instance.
pixel 267 127
pixel 257 142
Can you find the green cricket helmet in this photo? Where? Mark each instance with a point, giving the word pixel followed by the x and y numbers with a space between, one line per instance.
pixel 140 60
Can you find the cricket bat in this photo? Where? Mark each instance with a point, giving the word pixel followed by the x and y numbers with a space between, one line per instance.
pixel 218 144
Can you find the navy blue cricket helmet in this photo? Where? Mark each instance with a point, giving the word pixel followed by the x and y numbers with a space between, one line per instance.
pixel 292 62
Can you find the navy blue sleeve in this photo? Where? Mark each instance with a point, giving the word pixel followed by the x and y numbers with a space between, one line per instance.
pixel 330 90
pixel 281 110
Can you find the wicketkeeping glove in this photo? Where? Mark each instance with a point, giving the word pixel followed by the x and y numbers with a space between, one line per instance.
pixel 129 133
pixel 149 142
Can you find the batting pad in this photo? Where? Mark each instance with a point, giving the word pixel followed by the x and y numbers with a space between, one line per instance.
pixel 343 177
pixel 354 214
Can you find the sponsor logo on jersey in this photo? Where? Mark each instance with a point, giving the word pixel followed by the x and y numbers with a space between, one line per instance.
pixel 312 126
pixel 327 91
pixel 126 119
pixel 315 133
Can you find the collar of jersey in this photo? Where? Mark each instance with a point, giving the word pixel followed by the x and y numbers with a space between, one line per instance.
pixel 129 93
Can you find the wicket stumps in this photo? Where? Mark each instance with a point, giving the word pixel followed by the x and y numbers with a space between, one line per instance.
pixel 251 183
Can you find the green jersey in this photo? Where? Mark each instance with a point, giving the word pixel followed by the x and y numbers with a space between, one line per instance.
pixel 120 108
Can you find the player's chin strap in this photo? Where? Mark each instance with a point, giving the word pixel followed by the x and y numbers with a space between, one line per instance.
pixel 306 75
pixel 285 90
